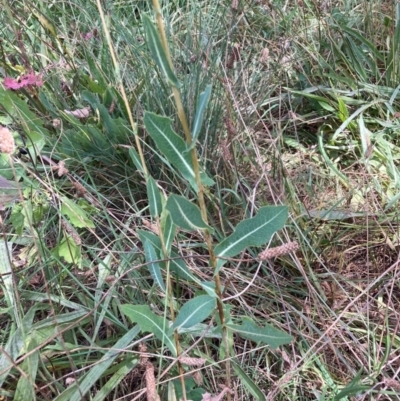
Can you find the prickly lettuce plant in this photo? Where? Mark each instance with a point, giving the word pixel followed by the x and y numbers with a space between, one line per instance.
pixel 172 213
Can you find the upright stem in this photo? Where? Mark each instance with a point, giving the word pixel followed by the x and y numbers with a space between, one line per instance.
pixel 200 192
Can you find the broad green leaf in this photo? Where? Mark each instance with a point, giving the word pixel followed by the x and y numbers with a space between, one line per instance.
pixel 76 391
pixel 173 147
pixel 154 268
pixel 179 267
pixel 157 51
pixel 252 232
pixel 154 197
pixel 267 335
pixel 170 144
pixel 77 216
pixel 198 119
pixel 194 311
pixel 68 250
pixel 168 229
pixel 150 323
pixel 185 214
pixel 250 385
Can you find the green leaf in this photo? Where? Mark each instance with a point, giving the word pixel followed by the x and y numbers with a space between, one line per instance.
pixel 124 370
pixel 185 214
pixel 177 265
pixel 6 274
pixel 15 344
pixel 68 250
pixel 194 311
pixel 77 216
pixel 29 121
pixel 170 144
pixel 173 147
pixel 154 267
pixel 252 232
pixel 136 159
pixel 168 229
pixel 158 52
pixel 25 386
pixel 153 194
pixel 150 323
pixel 267 335
pixel 250 385
pixel 198 119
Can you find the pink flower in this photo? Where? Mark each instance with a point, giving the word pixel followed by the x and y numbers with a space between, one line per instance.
pixel 29 79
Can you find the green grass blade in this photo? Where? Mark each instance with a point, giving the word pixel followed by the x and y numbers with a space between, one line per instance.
pixel 76 391
pixel 250 385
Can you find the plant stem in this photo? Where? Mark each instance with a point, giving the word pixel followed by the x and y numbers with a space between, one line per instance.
pixel 200 193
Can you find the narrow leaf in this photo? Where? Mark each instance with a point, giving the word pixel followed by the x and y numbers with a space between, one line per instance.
pixel 252 232
pixel 154 268
pixel 25 386
pixel 158 52
pixel 194 311
pixel 106 388
pixel 177 265
pixel 7 275
pixel 168 229
pixel 151 323
pixel 267 335
pixel 136 159
pixel 198 119
pixel 250 385
pixel 78 390
pixel 153 194
pixel 185 214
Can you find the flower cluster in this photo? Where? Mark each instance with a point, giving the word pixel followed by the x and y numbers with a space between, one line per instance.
pixel 30 79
